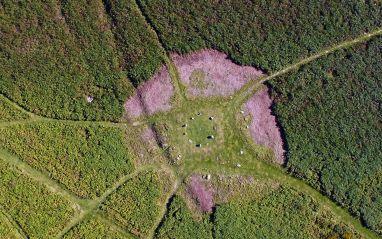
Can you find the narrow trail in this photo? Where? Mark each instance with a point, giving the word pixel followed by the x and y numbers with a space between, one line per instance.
pixel 115 227
pixel 93 205
pixel 267 171
pixel 19 231
pixel 262 169
pixel 40 177
pixel 243 95
pixel 180 95
pixel 163 211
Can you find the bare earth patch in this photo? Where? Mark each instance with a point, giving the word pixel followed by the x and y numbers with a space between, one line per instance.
pixel 211 73
pixel 151 97
pixel 263 128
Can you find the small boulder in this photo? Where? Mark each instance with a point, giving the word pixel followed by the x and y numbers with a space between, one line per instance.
pixel 89 99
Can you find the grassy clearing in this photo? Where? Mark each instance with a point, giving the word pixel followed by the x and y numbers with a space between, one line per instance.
pixel 38 211
pixel 135 205
pixel 9 113
pixel 269 34
pixel 226 147
pixel 329 110
pixel 86 159
pixel 97 227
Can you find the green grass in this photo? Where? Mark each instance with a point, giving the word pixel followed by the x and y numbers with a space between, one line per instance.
pixel 38 211
pixel 197 80
pixel 331 116
pixel 9 113
pixel 87 159
pixel 224 149
pixel 135 206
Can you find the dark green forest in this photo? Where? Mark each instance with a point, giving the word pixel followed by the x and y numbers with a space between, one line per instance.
pixel 331 112
pixel 267 34
pixel 56 54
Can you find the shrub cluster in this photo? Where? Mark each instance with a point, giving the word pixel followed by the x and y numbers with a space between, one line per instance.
pixel 179 223
pixel 141 49
pixel 95 227
pixel 39 212
pixel 56 56
pixel 331 113
pixel 86 159
pixel 285 213
pixel 10 113
pixel 135 206
pixel 268 34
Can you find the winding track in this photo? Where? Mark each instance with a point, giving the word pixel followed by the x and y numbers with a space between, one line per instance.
pixel 88 207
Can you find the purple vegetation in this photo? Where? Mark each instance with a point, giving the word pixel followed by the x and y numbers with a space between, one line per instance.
pixel 211 73
pixel 148 134
pixel 152 96
pixel 263 128
pixel 202 193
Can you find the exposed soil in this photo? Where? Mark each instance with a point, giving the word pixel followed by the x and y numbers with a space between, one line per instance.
pixel 211 73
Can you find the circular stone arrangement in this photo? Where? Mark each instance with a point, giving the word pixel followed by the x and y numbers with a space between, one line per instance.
pixel 200 130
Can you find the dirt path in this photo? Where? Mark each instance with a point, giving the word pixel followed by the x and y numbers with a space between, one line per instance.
pixel 40 177
pixel 261 168
pixel 180 91
pixel 163 210
pixel 248 90
pixel 93 205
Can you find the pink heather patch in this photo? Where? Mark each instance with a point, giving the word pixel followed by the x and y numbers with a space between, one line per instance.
pixel 148 134
pixel 152 96
pixel 201 192
pixel 211 73
pixel 263 127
